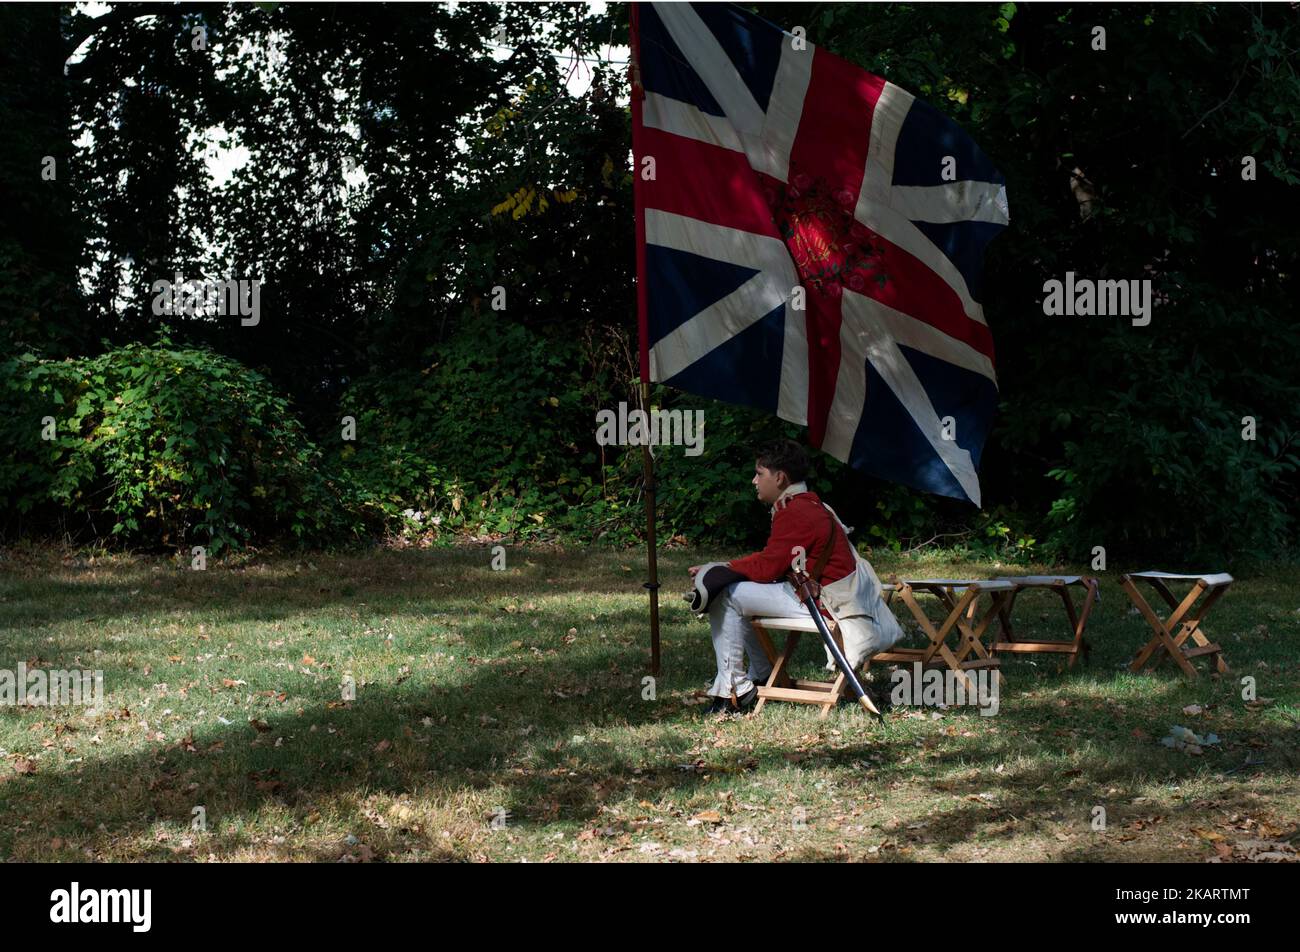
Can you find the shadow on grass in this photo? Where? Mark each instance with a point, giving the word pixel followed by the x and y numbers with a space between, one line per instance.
pixel 514 723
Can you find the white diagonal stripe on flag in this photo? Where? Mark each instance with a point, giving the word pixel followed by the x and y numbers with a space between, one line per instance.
pixel 714 67
pixel 792 401
pixel 876 198
pixel 732 245
pixel 919 335
pixel 732 314
pixel 951 202
pixel 785 108
pixel 894 227
pixel 714 326
pixel 892 106
pixel 767 137
pixel 683 119
pixel 867 334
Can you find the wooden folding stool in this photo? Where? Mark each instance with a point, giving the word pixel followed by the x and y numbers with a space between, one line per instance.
pixel 780 686
pixel 961 617
pixel 1078 620
pixel 1165 642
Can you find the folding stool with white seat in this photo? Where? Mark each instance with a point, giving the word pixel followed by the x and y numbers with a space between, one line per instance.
pixel 1165 643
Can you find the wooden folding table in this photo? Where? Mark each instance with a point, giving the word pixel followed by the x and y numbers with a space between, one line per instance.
pixel 1165 643
pixel 1060 584
pixel 960 597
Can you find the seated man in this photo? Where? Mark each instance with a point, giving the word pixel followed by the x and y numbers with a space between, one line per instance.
pixel 851 592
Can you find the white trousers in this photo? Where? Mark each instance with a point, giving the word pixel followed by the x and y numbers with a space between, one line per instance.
pixel 734 636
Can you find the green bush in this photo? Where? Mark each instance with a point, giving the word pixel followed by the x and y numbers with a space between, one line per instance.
pixel 1139 480
pixel 163 448
pixel 487 439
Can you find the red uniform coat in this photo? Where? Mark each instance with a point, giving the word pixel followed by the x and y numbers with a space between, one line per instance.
pixel 798 520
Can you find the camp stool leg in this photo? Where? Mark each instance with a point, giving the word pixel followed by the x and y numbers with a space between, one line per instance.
pixel 836 692
pixel 899 589
pixel 781 687
pixel 779 677
pixel 995 610
pixel 1076 633
pixel 908 595
pixel 1004 617
pixel 1076 644
pixel 1009 642
pixel 939 638
pixel 1165 641
pixel 908 655
pixel 1079 623
pixel 964 628
pixel 1192 627
pixel 1162 639
pixel 965 640
pixel 973 634
pixel 831 691
pixel 1179 611
pixel 777 661
pixel 972 629
pixel 1205 646
pixel 840 683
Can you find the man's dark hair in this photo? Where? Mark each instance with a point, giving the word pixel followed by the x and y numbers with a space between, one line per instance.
pixel 784 455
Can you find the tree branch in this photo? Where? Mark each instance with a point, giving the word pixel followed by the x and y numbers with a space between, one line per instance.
pixel 1215 109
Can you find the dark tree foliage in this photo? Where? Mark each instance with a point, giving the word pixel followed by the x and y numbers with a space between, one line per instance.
pixel 392 96
pixel 40 237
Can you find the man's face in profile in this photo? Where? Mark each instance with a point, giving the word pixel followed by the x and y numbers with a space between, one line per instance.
pixel 769 484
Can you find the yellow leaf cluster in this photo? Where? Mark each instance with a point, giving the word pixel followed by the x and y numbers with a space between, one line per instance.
pixel 529 199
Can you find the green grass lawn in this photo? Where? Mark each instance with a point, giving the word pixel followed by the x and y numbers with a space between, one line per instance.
pixel 499 715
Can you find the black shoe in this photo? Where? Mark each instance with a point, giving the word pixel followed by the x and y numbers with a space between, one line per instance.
pixel 745 703
pixel 720 705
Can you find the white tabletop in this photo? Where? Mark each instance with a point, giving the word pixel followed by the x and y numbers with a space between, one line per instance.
pixel 1222 578
pixel 984 585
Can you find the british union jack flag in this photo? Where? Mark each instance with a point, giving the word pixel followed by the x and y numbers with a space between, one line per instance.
pixel 786 176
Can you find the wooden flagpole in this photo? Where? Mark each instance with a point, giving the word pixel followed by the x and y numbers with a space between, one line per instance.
pixel 648 468
pixel 647 459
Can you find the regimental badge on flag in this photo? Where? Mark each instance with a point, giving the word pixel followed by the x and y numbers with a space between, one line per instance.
pixel 810 241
